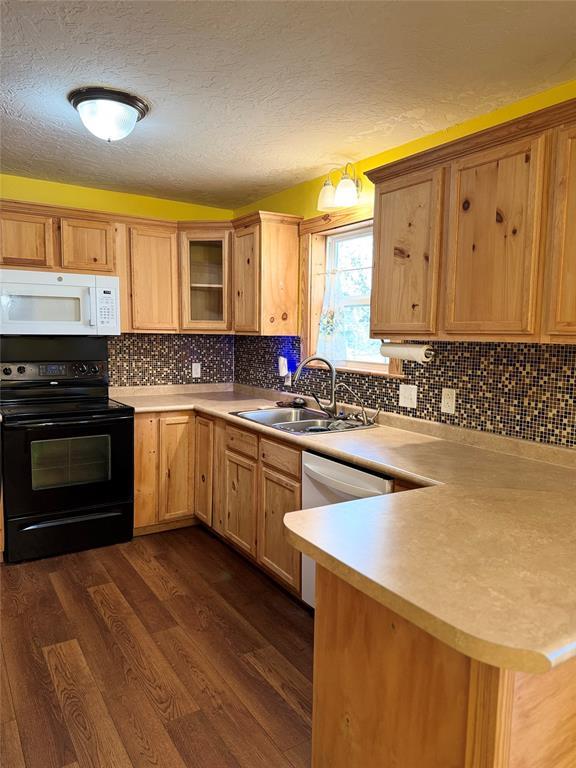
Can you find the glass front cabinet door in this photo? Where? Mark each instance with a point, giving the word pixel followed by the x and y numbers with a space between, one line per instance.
pixel 205 269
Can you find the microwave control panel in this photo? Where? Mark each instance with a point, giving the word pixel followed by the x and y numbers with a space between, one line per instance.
pixel 83 369
pixel 107 309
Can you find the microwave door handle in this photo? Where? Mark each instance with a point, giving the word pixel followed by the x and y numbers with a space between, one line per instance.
pixel 92 304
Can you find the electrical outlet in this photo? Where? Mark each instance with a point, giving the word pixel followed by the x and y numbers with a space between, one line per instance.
pixel 196 370
pixel 448 404
pixel 408 395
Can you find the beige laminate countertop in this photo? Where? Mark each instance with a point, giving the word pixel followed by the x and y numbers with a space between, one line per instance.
pixel 484 559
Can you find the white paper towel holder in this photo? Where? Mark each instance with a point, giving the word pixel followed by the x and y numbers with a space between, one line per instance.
pixel 416 353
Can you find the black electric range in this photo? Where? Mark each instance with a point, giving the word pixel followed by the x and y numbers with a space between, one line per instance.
pixel 67 449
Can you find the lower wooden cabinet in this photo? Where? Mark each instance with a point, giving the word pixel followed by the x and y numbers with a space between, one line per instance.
pixel 278 495
pixel 204 470
pixel 163 464
pixel 240 501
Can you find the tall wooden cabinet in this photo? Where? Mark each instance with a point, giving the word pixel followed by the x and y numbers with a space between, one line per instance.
pixel 561 308
pixel 163 467
pixel 265 274
pixel 153 275
pixel 407 241
pixel 493 242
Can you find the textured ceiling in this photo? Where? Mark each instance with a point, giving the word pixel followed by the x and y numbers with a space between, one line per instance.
pixel 249 98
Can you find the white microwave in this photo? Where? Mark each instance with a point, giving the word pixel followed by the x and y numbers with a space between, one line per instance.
pixel 52 303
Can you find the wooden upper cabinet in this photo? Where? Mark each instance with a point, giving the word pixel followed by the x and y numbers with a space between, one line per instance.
pixel 26 240
pixel 561 310
pixel 176 466
pixel 265 274
pixel 247 279
pixel 495 211
pixel 278 495
pixel 407 239
pixel 205 279
pixel 154 279
pixel 87 245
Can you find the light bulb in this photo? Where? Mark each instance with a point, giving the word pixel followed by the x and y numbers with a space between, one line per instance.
pixel 346 192
pixel 326 197
pixel 108 120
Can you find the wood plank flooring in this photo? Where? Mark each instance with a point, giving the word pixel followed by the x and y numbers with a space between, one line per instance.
pixel 167 652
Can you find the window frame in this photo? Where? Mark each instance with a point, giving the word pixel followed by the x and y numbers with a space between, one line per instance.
pixel 314 235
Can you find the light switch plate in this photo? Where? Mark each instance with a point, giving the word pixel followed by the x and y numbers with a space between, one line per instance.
pixel 408 395
pixel 448 404
pixel 196 370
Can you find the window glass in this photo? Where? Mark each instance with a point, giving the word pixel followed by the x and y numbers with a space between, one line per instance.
pixel 344 332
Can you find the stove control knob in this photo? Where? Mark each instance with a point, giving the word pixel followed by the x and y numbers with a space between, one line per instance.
pixel 21 369
pixel 94 370
pixel 7 371
pixel 81 369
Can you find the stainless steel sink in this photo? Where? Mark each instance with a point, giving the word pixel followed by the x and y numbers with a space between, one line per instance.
pixel 273 416
pixel 315 426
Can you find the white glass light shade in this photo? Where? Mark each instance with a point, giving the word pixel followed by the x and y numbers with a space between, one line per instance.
pixel 108 120
pixel 346 192
pixel 326 197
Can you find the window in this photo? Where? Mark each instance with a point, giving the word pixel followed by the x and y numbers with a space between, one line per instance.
pixel 344 324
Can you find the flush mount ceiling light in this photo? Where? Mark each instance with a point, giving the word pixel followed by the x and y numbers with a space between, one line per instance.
pixel 108 114
pixel 344 195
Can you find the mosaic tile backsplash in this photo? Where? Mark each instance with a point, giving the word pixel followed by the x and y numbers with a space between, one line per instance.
pixel 147 359
pixel 518 390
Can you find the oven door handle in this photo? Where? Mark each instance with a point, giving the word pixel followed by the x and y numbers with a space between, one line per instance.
pixel 64 422
pixel 69 520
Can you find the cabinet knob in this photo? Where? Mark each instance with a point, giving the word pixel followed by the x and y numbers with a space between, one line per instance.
pixel 466 205
pixel 284 315
pixel 238 293
pixel 272 319
pixel 415 306
pixel 203 478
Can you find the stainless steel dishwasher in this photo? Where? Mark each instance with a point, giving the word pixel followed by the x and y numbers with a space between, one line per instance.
pixel 326 481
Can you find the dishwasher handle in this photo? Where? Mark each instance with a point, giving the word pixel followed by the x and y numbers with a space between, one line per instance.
pixel 355 491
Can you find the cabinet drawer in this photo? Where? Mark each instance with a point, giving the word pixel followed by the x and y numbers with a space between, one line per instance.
pixel 280 457
pixel 242 442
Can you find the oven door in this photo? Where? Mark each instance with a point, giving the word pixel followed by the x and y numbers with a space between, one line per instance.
pixel 74 463
pixel 40 303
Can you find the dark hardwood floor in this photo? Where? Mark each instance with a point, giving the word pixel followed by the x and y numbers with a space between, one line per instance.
pixel 168 651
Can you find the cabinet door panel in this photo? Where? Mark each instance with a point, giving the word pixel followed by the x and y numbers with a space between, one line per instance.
pixel 154 276
pixel 240 501
pixel 87 245
pixel 26 240
pixel 146 437
pixel 407 238
pixel 278 495
pixel 204 273
pixel 175 466
pixel 562 300
pixel 203 475
pixel 246 279
pixel 494 237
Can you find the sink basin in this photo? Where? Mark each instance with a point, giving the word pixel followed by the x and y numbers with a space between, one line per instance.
pixel 273 416
pixel 314 426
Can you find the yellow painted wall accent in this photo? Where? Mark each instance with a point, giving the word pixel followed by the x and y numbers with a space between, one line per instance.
pixel 301 199
pixel 107 201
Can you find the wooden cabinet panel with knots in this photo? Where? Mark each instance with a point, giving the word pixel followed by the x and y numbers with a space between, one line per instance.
pixel 407 240
pixel 240 501
pixel 26 240
pixel 204 470
pixel 87 245
pixel 265 274
pixel 561 309
pixel 176 466
pixel 496 202
pixel 278 495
